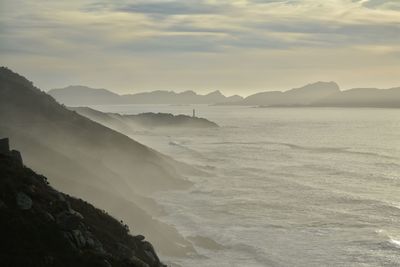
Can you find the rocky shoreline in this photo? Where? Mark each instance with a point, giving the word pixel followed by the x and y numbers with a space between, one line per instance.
pixel 41 226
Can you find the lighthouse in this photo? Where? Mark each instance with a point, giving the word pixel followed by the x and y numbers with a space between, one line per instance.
pixel 194 113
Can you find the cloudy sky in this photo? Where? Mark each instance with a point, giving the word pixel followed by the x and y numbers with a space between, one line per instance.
pixel 236 46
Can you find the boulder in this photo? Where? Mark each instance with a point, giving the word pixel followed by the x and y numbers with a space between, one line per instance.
pixel 16 155
pixel 140 237
pixel 138 262
pixel 151 254
pixel 69 220
pixel 24 202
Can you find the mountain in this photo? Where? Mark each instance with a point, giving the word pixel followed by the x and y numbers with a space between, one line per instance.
pixel 325 94
pixel 298 96
pixel 85 95
pixel 363 97
pixel 86 159
pixel 82 96
pixel 127 123
pixel 41 226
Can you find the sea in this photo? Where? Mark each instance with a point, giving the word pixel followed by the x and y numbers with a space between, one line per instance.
pixel 284 186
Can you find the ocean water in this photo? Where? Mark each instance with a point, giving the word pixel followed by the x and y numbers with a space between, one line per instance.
pixel 286 186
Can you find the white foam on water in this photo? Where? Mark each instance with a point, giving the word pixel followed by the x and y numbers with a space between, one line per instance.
pixel 280 205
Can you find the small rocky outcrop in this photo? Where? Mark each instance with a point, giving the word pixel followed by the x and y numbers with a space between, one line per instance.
pixel 5 150
pixel 154 120
pixel 40 226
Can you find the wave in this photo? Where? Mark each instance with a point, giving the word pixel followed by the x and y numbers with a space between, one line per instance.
pixel 395 242
pixel 256 253
pixel 390 241
pixel 191 150
pixel 345 150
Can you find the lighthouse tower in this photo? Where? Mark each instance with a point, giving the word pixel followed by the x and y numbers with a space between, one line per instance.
pixel 194 113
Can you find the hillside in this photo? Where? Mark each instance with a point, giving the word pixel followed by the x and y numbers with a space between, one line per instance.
pixel 127 123
pixel 83 96
pixel 41 226
pixel 86 159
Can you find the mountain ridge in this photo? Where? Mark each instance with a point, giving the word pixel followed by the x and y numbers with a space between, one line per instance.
pixel 324 94
pixel 83 95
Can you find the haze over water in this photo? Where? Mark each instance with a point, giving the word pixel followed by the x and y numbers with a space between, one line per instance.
pixel 286 186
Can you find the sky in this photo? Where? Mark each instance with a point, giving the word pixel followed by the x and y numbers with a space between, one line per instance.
pixel 236 46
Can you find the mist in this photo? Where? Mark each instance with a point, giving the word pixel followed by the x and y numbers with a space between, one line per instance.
pixel 200 133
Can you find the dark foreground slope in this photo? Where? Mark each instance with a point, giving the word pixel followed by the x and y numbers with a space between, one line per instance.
pixel 149 120
pixel 86 159
pixel 40 226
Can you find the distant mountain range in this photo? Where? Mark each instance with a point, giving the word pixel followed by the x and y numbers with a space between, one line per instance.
pixel 298 96
pixel 325 94
pixel 82 95
pixel 319 94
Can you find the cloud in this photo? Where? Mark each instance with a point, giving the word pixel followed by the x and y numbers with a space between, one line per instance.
pixel 197 25
pixel 161 8
pixel 382 4
pixel 172 8
pixel 159 31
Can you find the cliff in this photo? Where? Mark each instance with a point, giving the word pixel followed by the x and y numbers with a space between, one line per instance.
pixel 41 226
pixel 86 159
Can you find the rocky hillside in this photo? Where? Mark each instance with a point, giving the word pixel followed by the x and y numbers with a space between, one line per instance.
pixel 86 159
pixel 41 226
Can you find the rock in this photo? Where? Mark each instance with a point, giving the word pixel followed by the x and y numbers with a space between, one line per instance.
pixel 69 237
pixel 149 250
pixel 123 249
pixel 140 237
pixel 48 216
pixel 65 235
pixel 69 220
pixel 32 190
pixel 150 257
pixel 4 146
pixel 93 243
pixel 60 197
pixel 24 202
pixel 138 262
pixel 5 150
pixel 79 239
pixel 16 155
pixel 83 239
pixel 75 213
